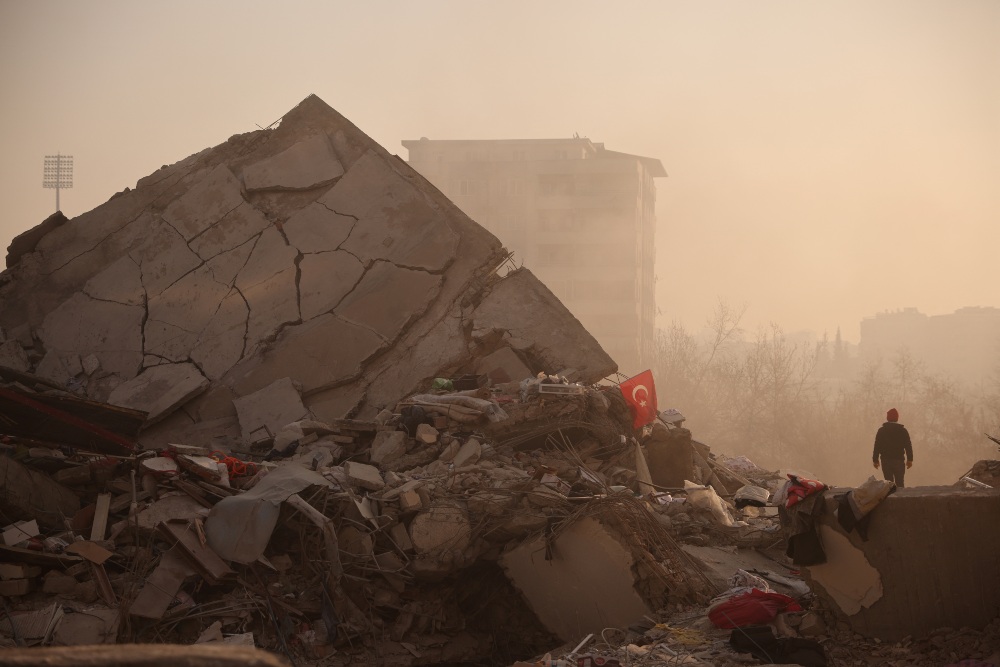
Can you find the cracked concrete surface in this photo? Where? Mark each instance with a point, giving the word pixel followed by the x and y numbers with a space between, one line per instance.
pixel 304 252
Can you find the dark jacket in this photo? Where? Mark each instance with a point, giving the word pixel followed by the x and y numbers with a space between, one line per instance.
pixel 891 442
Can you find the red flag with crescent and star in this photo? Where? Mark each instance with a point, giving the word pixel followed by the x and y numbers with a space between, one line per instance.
pixel 640 394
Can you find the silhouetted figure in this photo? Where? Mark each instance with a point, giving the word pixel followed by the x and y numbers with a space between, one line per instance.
pixel 892 446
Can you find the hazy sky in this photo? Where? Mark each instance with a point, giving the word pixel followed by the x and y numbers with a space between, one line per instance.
pixel 827 160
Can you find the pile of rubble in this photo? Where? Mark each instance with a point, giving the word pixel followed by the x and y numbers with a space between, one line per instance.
pixel 415 536
pixel 284 394
pixel 422 536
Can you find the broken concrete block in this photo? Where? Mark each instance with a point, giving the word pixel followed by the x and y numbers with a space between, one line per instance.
pixel 448 453
pixel 444 526
pixel 160 390
pixel 273 407
pixel 12 355
pixel 410 501
pixel 388 446
pixel 427 434
pixel 306 164
pixel 56 583
pixel 91 364
pixel 363 476
pixel 468 453
pixel 401 537
pixel 584 552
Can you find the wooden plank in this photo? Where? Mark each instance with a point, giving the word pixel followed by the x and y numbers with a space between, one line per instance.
pixel 142 655
pixel 100 517
pixel 206 561
pixel 162 585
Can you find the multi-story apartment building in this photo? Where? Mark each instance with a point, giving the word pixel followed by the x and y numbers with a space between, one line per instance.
pixel 579 216
pixel 964 345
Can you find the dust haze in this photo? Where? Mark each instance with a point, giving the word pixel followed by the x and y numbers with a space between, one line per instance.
pixel 826 162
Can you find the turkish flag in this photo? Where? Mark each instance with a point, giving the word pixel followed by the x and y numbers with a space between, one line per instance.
pixel 640 394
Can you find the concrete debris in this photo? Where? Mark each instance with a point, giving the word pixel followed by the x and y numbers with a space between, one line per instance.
pixel 283 394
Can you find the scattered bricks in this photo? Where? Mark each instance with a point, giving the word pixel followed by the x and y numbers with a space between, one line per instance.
pixel 468 454
pixel 388 446
pixel 427 434
pixel 409 501
pixel 14 587
pixel 364 476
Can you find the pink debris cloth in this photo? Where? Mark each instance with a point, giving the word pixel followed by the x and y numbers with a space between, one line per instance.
pixel 800 488
pixel 752 608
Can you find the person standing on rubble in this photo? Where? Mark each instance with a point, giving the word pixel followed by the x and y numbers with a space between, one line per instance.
pixel 893 447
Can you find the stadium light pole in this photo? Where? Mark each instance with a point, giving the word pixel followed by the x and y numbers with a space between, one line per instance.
pixel 58 173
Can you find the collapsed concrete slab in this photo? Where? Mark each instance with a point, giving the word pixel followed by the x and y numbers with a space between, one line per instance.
pixel 583 584
pixel 306 252
pixel 916 571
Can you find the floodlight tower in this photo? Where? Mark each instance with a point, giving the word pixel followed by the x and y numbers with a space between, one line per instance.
pixel 58 173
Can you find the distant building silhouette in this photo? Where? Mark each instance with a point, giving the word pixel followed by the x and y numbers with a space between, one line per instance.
pixel 579 216
pixel 964 345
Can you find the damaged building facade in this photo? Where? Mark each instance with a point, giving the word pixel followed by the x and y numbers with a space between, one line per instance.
pixel 285 395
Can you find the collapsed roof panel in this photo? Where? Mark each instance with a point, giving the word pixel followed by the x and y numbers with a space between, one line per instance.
pixel 304 251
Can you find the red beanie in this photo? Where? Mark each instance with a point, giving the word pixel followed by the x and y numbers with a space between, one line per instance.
pixel 892 415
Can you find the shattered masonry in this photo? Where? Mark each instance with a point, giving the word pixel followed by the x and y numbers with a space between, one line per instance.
pixel 285 395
